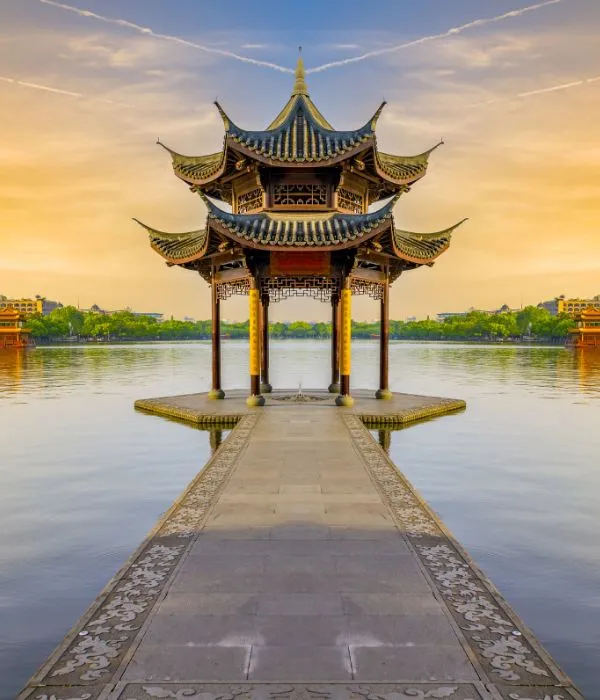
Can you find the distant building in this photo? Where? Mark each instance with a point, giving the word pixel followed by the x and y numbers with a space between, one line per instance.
pixel 150 314
pixel 189 319
pixel 450 314
pixel 95 309
pixel 561 305
pixel 586 334
pixel 30 307
pixel 505 309
pixel 12 331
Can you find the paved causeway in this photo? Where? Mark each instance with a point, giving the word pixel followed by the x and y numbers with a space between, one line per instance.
pixel 300 564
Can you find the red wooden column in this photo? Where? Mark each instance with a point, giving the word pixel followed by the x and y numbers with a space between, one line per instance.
pixel 384 343
pixel 216 392
pixel 334 387
pixel 265 386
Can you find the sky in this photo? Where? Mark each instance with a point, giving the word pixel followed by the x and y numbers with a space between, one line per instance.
pixel 516 99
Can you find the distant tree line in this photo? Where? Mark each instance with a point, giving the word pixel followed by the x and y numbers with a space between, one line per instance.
pixel 531 322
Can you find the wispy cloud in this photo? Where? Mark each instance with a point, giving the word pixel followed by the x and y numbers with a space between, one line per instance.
pixel 432 37
pixel 60 91
pixel 147 31
pixel 344 47
pixel 539 91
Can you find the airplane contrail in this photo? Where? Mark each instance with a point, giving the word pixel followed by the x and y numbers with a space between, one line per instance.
pixel 59 91
pixel 431 37
pixel 167 37
pixel 540 91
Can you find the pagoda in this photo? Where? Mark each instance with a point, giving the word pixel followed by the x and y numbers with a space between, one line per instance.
pixel 13 333
pixel 300 209
pixel 586 333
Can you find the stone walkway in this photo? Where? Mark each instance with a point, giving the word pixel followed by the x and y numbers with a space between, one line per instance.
pixel 300 564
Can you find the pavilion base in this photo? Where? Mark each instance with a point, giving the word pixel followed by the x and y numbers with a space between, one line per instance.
pixel 334 388
pixel 265 388
pixel 344 400
pixel 255 400
pixel 216 394
pixel 384 394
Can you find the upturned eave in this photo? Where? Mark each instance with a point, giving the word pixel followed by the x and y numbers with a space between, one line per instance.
pixel 422 248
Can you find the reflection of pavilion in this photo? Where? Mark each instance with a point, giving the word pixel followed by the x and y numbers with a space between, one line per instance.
pixel 588 369
pixel 300 225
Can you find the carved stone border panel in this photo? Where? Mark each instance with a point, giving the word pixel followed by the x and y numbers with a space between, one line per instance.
pixel 504 647
pixel 301 691
pixel 94 649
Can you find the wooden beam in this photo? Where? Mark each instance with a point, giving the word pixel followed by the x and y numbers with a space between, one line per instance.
pixel 368 275
pixel 232 275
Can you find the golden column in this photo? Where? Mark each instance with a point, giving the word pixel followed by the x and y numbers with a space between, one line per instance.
pixel 255 398
pixel 344 399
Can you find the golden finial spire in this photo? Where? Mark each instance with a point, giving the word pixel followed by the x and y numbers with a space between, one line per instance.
pixel 300 84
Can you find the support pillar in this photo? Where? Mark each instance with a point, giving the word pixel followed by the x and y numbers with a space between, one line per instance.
pixel 216 392
pixel 384 342
pixel 265 387
pixel 334 387
pixel 255 398
pixel 344 399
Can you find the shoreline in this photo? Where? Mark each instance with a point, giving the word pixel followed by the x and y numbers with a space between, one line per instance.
pixel 417 341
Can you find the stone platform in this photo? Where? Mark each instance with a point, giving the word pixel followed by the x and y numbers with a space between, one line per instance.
pixel 401 409
pixel 300 564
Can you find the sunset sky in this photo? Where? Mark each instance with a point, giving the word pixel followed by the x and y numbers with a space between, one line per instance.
pixel 83 101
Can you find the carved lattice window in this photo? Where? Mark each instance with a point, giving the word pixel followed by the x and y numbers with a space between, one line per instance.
pixel 250 201
pixel 300 195
pixel 320 288
pixel 349 201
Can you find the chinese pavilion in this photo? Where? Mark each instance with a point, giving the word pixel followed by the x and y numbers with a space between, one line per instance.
pixel 301 220
pixel 586 333
pixel 12 331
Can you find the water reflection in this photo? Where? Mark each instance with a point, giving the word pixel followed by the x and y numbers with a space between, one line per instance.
pixel 83 477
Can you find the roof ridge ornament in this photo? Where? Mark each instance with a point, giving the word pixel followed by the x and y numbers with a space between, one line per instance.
pixel 300 87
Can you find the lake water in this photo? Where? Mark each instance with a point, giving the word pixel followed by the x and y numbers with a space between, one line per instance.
pixel 83 477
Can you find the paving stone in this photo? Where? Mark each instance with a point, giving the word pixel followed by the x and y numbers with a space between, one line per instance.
pixel 186 628
pixel 300 604
pixel 210 603
pixel 179 663
pixel 390 604
pixel 280 663
pixel 300 489
pixel 300 532
pixel 225 532
pixel 399 630
pixel 424 663
pixel 286 563
pixel 300 630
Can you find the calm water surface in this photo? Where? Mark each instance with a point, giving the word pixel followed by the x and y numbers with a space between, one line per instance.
pixel 83 477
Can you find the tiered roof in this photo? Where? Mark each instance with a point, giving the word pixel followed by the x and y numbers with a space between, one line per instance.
pixel 298 138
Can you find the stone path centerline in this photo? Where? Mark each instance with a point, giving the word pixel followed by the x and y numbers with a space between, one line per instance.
pixel 300 564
